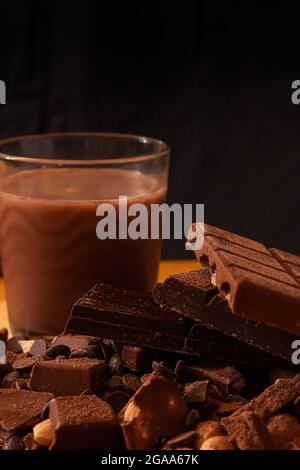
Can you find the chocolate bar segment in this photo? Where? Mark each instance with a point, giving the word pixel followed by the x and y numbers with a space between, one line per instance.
pixel 145 324
pixel 191 294
pixel 256 285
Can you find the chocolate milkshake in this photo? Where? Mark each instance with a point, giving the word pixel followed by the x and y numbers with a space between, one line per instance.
pixel 50 252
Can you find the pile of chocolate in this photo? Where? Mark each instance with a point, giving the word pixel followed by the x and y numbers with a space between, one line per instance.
pixel 202 363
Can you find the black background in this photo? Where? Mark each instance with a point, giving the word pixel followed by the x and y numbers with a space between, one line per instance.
pixel 211 78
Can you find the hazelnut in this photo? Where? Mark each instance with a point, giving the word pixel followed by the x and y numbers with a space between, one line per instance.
pixel 43 433
pixel 218 443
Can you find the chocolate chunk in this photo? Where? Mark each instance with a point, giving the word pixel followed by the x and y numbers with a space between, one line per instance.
pixel 157 409
pixel 283 429
pixel 183 372
pixel 272 399
pixel 226 409
pixel 196 392
pixel 117 400
pixel 192 295
pixel 3 334
pixel 160 368
pixel 5 369
pixel 136 358
pixel 185 439
pixel 13 443
pixel 248 431
pixel 20 409
pixel 73 341
pixel 131 383
pixel 134 318
pixel 13 344
pixel 25 364
pixel 226 377
pixel 115 365
pixel 232 398
pixel 10 378
pixel 39 348
pixel 113 383
pixel 68 377
pixel 245 269
pixel 192 420
pixel 83 422
pixel 58 350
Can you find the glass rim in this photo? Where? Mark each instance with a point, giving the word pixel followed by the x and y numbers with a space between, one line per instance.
pixel 96 161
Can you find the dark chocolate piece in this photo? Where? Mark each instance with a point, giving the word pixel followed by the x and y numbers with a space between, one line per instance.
pixel 134 318
pixel 156 410
pixel 196 392
pixel 136 358
pixel 83 422
pixel 226 377
pixel 68 377
pixel 13 443
pixel 248 431
pixel 131 383
pixel 244 269
pixel 39 348
pixel 191 294
pixel 20 409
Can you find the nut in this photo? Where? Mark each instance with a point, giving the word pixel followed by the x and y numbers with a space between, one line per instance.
pixel 218 443
pixel 207 429
pixel 43 433
pixel 213 279
pixel 131 412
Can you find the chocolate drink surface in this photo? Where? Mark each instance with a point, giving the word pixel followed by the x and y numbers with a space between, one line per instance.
pixel 50 252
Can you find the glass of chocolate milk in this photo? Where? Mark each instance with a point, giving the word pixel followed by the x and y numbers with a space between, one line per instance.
pixel 50 188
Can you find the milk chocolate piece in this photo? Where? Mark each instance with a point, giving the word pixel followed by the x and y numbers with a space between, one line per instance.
pixel 196 392
pixel 255 283
pixel 68 376
pixel 156 410
pixel 283 429
pixel 83 422
pixel 225 377
pixel 134 318
pixel 20 409
pixel 248 431
pixel 191 294
pixel 272 399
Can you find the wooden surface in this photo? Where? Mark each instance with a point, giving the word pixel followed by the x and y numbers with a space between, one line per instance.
pixel 165 269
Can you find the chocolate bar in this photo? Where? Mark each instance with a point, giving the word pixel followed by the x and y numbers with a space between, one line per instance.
pixel 193 295
pixel 135 318
pixel 259 284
